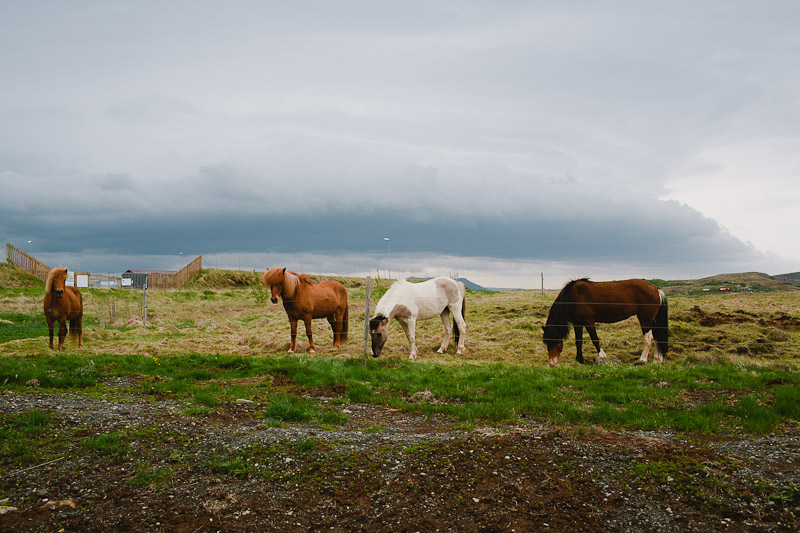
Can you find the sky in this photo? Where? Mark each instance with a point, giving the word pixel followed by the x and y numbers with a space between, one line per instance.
pixel 507 142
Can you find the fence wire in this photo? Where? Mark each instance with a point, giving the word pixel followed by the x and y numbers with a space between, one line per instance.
pixel 118 309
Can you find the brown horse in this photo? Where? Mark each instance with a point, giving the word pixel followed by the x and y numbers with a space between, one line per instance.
pixel 62 303
pixel 583 303
pixel 305 301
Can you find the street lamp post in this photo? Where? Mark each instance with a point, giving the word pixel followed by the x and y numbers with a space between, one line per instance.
pixel 388 257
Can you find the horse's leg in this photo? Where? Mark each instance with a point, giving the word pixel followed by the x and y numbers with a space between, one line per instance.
pixel 332 321
pixel 601 354
pixel 578 343
pixel 309 334
pixel 50 330
pixel 79 321
pixel 648 341
pixel 410 327
pixel 448 330
pixel 62 332
pixel 461 324
pixel 292 335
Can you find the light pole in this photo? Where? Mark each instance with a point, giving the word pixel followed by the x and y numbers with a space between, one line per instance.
pixel 388 257
pixel 30 248
pixel 180 260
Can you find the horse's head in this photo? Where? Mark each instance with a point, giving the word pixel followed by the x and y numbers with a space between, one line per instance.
pixel 57 280
pixel 274 279
pixel 553 344
pixel 378 332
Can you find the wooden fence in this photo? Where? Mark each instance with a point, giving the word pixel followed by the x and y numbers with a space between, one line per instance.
pixel 175 280
pixel 17 257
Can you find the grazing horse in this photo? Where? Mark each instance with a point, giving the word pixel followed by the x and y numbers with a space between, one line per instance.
pixel 583 303
pixel 62 303
pixel 305 301
pixel 409 302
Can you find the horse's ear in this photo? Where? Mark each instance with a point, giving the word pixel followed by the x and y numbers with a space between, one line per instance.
pixel 284 270
pixel 542 327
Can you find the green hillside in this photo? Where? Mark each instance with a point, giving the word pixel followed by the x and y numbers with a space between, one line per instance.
pixel 14 277
pixel 723 283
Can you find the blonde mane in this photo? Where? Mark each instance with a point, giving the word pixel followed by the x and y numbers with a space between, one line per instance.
pixel 56 272
pixel 290 280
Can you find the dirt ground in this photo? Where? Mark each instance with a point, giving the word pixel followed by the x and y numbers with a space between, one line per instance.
pixel 385 470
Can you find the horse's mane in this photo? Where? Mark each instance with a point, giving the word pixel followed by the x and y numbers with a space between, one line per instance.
pixel 290 279
pixel 48 284
pixel 557 325
pixel 568 287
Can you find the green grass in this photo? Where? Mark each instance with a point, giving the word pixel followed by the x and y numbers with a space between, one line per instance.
pixel 23 437
pixel 15 326
pixel 112 444
pixel 689 397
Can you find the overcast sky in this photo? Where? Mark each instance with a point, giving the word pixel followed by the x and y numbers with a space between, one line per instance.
pixel 498 140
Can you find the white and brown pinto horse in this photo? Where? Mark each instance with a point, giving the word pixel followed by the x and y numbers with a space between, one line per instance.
pixel 408 302
pixel 584 303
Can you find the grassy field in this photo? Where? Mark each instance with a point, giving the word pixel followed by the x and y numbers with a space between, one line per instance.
pixel 733 358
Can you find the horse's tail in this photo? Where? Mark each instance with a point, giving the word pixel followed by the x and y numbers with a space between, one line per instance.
pixel 661 326
pixel 345 322
pixel 74 330
pixel 463 315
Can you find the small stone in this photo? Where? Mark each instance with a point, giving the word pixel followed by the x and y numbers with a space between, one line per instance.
pixel 7 509
pixel 53 505
pixel 476 500
pixel 40 492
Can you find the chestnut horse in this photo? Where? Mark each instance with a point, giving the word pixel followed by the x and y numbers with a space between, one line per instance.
pixel 583 303
pixel 305 301
pixel 62 303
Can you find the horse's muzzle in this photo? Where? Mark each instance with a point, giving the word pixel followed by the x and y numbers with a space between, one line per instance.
pixel 60 294
pixel 274 300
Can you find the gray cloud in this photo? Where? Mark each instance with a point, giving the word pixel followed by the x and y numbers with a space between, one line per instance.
pixel 521 132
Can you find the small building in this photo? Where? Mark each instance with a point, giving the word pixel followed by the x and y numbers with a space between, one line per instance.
pixel 140 277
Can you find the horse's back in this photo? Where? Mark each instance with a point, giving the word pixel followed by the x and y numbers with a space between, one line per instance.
pixel 611 292
pixel 328 296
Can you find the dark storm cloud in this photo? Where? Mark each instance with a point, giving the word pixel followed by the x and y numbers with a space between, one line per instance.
pixel 522 131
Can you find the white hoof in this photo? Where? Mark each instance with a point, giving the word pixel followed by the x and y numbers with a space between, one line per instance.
pixel 439 351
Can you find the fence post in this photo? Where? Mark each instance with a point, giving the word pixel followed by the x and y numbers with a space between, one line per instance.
pixel 144 300
pixel 366 317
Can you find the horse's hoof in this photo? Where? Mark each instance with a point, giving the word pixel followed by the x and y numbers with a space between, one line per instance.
pixel 439 351
pixel 552 364
pixel 459 352
pixel 312 351
pixel 639 362
pixel 601 361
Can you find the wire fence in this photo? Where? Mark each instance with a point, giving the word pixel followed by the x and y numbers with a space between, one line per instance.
pixel 496 324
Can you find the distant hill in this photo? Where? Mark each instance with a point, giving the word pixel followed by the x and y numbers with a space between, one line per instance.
pixel 793 278
pixel 721 283
pixel 467 283
pixel 219 278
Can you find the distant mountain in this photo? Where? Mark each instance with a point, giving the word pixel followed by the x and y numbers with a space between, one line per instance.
pixel 793 278
pixel 468 284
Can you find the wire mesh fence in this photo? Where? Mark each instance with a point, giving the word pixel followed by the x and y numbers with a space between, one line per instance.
pixel 503 326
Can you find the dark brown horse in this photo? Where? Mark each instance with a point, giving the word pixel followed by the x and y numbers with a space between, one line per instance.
pixel 583 303
pixel 62 303
pixel 305 301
